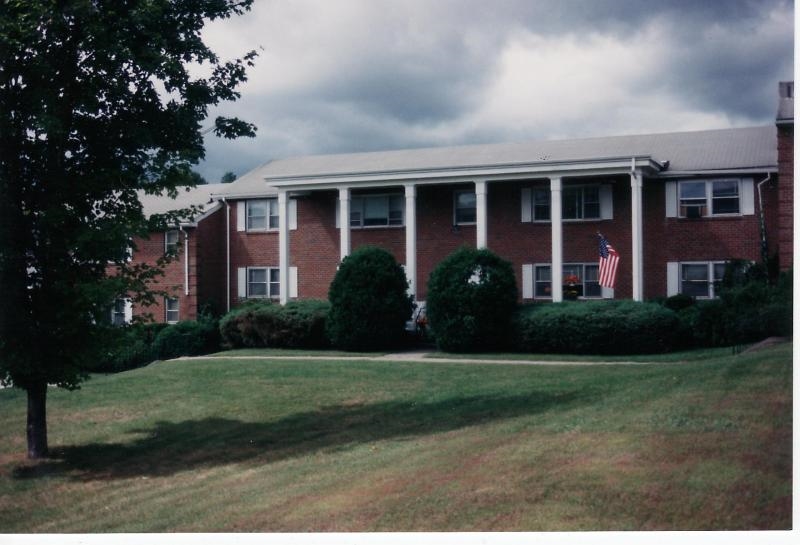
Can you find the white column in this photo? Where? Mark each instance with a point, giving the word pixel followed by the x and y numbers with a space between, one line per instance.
pixel 344 222
pixel 283 244
pixel 556 237
pixel 480 214
pixel 637 254
pixel 411 239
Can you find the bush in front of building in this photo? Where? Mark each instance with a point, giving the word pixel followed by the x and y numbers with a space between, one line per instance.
pixel 472 296
pixel 189 338
pixel 597 327
pixel 128 347
pixel 298 324
pixel 369 299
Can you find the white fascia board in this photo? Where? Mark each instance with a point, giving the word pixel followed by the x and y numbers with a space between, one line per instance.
pixel 467 174
pixel 717 172
pixel 216 206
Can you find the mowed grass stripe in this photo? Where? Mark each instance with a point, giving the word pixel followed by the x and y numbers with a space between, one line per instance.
pixel 240 445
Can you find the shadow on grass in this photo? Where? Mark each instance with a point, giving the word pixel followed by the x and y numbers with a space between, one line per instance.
pixel 170 447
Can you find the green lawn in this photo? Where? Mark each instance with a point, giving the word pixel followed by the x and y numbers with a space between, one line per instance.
pixel 269 445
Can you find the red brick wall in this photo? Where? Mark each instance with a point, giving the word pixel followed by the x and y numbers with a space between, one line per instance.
pixel 210 261
pixel 786 196
pixel 149 251
pixel 315 246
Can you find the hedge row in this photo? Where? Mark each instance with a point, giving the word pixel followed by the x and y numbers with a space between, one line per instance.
pixel 596 327
pixel 298 324
pixel 138 344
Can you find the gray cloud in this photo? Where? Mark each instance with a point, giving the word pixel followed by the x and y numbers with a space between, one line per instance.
pixel 356 76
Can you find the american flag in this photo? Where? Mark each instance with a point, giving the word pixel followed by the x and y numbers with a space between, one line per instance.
pixel 609 259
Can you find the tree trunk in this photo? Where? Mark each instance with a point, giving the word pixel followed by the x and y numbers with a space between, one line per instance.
pixel 37 421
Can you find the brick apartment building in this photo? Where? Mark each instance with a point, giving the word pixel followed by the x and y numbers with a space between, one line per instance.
pixel 674 205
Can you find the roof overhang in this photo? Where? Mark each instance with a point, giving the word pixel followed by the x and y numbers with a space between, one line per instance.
pixel 515 171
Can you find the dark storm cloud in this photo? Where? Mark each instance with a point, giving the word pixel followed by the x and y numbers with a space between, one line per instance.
pixel 355 76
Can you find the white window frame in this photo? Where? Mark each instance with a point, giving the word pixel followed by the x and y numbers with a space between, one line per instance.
pixel 456 208
pixel 271 283
pixel 169 301
pixel 711 281
pixel 172 247
pixel 582 190
pixel 358 210
pixel 582 276
pixel 271 220
pixel 707 206
pixel 118 309
pixel 530 213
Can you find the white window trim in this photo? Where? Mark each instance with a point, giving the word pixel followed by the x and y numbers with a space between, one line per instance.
pixel 269 294
pixel 177 243
pixel 269 204
pixel 709 269
pixel 167 310
pixel 605 209
pixel 604 293
pixel 456 193
pixel 743 185
pixel 362 198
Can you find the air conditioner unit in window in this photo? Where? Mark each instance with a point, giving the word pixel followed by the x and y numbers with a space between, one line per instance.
pixel 694 211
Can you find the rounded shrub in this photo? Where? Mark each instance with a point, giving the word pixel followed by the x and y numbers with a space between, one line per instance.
pixel 597 327
pixel 187 339
pixel 369 301
pixel 472 296
pixel 298 324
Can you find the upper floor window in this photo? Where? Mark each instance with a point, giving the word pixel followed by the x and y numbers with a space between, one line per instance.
pixel 263 282
pixel 579 280
pixel 464 207
pixel 171 241
pixel 702 198
pixel 376 210
pixel 582 202
pixel 262 214
pixel 702 280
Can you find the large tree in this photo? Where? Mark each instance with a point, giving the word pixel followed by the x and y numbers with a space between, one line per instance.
pixel 97 102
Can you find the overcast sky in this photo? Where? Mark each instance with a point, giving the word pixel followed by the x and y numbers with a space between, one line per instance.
pixel 348 75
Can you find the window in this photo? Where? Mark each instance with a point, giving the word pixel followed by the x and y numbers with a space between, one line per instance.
pixel 262 215
pixel 171 241
pixel 579 280
pixel 173 306
pixel 589 202
pixel 263 282
pixel 465 207
pixel 118 314
pixel 376 211
pixel 701 280
pixel 702 198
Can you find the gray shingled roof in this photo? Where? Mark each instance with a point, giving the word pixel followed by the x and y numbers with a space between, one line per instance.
pixel 197 196
pixel 687 152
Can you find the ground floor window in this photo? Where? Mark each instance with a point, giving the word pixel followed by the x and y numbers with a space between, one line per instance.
pixel 118 313
pixel 173 308
pixel 578 280
pixel 263 282
pixel 702 280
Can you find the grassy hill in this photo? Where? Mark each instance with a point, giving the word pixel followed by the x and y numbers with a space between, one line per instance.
pixel 269 445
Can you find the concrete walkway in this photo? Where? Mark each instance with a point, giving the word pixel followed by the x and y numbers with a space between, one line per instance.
pixel 426 357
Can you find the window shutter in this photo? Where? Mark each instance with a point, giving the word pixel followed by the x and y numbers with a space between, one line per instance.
pixel 607 202
pixel 671 198
pixel 747 197
pixel 293 282
pixel 292 214
pixel 128 311
pixel 673 278
pixel 241 215
pixel 527 281
pixel 242 282
pixel 337 214
pixel 527 205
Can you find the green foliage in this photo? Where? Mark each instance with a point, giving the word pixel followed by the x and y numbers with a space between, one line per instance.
pixel 187 339
pixel 597 327
pixel 85 126
pixel 227 178
pixel 472 295
pixel 128 347
pixel 369 302
pixel 298 324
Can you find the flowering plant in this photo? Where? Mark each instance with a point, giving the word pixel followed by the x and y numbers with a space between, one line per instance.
pixel 571 279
